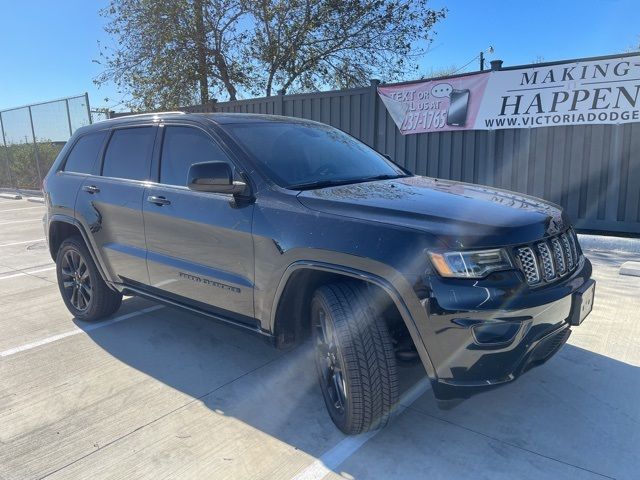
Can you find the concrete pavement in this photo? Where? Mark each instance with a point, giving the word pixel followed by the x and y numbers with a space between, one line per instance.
pixel 159 393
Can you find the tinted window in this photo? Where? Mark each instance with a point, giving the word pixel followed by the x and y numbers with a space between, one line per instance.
pixel 84 153
pixel 295 154
pixel 182 147
pixel 129 153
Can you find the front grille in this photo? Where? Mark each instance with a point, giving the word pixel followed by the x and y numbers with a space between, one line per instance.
pixel 528 265
pixel 548 267
pixel 558 256
pixel 549 260
pixel 567 250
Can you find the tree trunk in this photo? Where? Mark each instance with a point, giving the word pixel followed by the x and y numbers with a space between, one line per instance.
pixel 201 47
pixel 221 64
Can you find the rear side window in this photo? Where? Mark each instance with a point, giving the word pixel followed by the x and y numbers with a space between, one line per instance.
pixel 129 152
pixel 84 153
pixel 181 148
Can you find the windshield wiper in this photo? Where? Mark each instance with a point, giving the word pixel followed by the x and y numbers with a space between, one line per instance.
pixel 322 184
pixel 387 176
pixel 335 183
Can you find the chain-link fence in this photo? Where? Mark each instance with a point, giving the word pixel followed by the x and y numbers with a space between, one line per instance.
pixel 32 136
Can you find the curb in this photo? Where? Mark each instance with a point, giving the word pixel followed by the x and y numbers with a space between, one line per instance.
pixel 11 196
pixel 616 244
pixel 630 268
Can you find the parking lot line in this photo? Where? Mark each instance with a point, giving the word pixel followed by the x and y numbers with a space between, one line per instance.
pixel 34 220
pixel 336 455
pixel 76 331
pixel 21 243
pixel 29 272
pixel 20 209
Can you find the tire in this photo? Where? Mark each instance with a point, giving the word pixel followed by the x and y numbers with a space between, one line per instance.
pixel 83 290
pixel 353 349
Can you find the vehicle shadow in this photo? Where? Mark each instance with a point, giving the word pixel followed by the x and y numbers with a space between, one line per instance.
pixel 580 405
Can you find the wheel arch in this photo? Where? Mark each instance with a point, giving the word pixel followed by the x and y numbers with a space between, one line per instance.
pixel 62 227
pixel 303 277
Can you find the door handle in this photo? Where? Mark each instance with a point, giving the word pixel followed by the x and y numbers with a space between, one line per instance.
pixel 91 189
pixel 157 200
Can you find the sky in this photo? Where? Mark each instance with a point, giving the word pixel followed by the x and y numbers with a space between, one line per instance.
pixel 48 48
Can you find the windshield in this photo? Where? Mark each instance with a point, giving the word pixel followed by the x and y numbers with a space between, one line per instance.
pixel 299 156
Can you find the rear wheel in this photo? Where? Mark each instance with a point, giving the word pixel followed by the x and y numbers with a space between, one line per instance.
pixel 83 290
pixel 354 357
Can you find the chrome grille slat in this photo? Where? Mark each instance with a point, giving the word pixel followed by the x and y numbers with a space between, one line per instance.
pixel 529 265
pixel 558 256
pixel 574 248
pixel 550 259
pixel 567 250
pixel 548 269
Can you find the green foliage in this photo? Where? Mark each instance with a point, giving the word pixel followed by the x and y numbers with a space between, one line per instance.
pixel 169 54
pixel 21 159
pixel 309 44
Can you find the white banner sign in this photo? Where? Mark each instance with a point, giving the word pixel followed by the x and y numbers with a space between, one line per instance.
pixel 605 91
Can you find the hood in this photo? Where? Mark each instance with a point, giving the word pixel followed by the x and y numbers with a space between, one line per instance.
pixel 460 215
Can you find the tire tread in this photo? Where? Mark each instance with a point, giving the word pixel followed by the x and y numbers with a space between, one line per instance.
pixel 367 353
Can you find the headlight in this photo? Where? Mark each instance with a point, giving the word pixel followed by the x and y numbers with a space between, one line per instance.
pixel 470 264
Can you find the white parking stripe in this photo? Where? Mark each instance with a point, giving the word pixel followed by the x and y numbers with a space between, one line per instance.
pixel 28 272
pixel 76 331
pixel 335 456
pixel 33 220
pixel 21 243
pixel 19 209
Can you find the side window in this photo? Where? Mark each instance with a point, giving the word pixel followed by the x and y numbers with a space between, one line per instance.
pixel 84 153
pixel 129 153
pixel 181 148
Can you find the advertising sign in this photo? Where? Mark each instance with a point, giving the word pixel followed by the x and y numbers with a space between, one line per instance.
pixel 603 91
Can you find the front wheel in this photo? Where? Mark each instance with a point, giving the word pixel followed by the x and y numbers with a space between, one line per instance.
pixel 354 356
pixel 83 290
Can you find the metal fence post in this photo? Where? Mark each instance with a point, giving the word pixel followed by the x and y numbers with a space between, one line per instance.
pixel 35 146
pixel 373 113
pixel 66 102
pixel 86 102
pixel 6 154
pixel 280 103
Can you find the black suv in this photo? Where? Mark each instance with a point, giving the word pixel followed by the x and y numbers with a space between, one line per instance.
pixel 291 229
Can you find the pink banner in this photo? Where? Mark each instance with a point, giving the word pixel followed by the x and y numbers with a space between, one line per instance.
pixel 437 105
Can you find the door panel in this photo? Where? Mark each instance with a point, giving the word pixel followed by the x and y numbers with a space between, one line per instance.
pixel 112 212
pixel 200 247
pixel 110 203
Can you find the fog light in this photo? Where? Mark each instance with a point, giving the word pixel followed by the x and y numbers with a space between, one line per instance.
pixel 494 333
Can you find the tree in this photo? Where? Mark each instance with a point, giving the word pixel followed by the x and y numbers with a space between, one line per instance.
pixel 307 44
pixel 170 54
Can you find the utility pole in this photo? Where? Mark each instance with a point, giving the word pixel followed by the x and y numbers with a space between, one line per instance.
pixel 489 50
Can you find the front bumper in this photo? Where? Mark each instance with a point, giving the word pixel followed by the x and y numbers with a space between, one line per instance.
pixel 473 348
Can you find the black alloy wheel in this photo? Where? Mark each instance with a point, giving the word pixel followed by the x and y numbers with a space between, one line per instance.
pixel 83 290
pixel 76 280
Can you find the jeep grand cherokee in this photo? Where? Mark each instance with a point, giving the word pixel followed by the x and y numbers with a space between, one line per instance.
pixel 292 229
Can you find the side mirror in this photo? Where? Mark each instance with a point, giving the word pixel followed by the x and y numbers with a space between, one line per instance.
pixel 213 177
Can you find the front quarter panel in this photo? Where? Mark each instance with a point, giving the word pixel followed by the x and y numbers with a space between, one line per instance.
pixel 286 232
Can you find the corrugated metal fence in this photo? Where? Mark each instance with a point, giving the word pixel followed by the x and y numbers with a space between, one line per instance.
pixel 593 171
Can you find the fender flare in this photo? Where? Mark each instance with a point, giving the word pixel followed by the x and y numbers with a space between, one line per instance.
pixel 58 217
pixel 368 277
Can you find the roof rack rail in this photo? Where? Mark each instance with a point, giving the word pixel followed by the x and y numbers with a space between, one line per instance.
pixel 151 114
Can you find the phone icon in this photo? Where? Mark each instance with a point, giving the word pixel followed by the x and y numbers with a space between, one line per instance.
pixel 458 104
